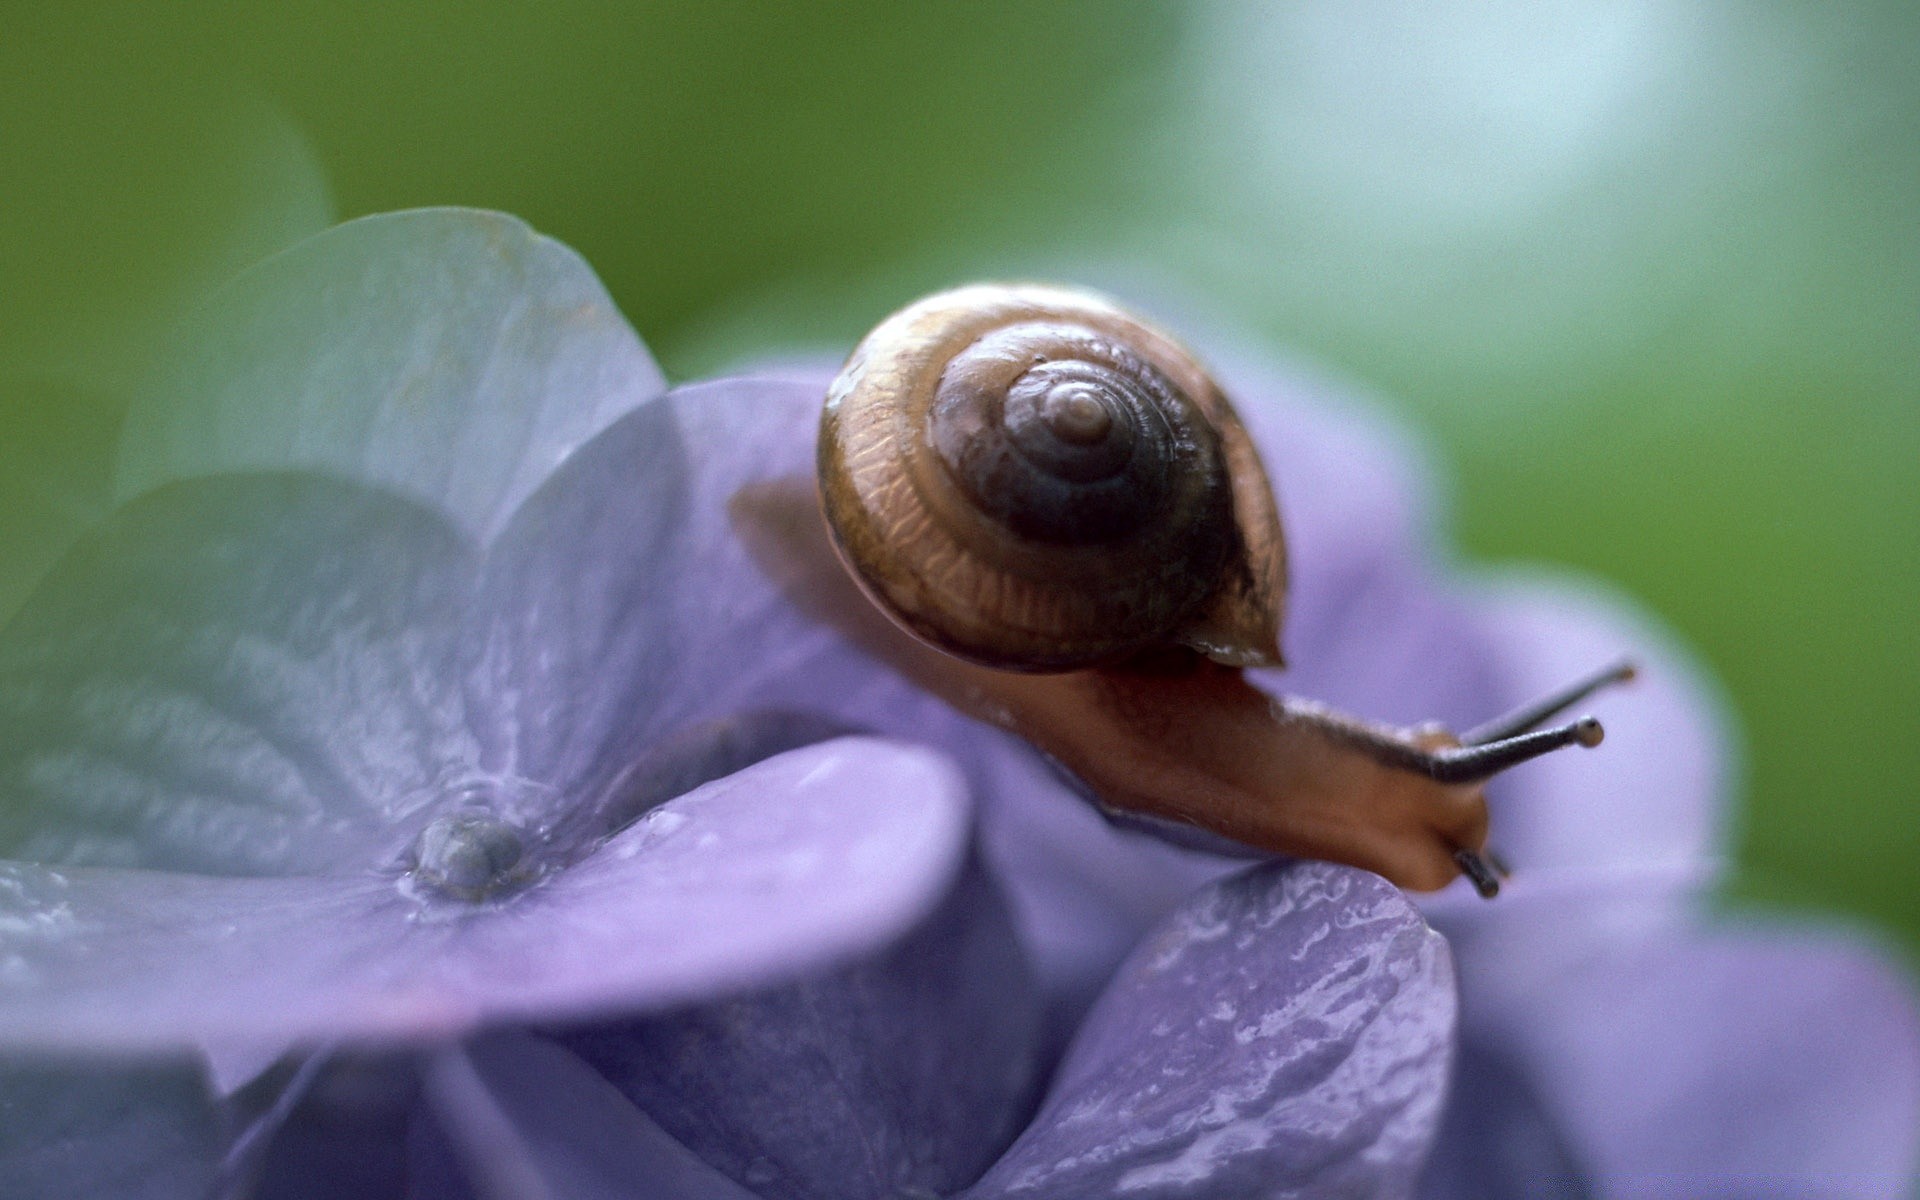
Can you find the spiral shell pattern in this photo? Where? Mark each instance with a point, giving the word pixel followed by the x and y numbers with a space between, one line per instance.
pixel 1030 478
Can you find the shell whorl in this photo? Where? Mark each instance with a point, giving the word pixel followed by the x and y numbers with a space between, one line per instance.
pixel 1031 478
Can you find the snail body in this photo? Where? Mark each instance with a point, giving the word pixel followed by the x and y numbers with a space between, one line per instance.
pixel 1032 479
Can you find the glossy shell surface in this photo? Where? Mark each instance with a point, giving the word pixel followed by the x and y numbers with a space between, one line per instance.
pixel 1033 479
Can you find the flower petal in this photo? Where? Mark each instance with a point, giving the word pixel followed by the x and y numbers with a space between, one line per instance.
pixel 1084 888
pixel 250 674
pixel 621 606
pixel 86 1130
pixel 808 859
pixel 1727 1062
pixel 576 644
pixel 1286 1033
pixel 517 1115
pixel 452 355
pixel 666 619
pixel 906 1073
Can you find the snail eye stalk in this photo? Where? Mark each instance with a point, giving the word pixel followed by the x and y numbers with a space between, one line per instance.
pixel 1475 762
pixel 1480 872
pixel 1526 717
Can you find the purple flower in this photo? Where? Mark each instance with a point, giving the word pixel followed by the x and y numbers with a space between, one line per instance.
pixel 419 748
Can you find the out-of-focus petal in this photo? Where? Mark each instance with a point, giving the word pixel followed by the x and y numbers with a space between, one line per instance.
pixel 87 1129
pixel 905 1074
pixel 328 1126
pixel 1372 626
pixel 1285 1033
pixel 250 674
pixel 518 1116
pixel 809 859
pixel 1496 1141
pixel 452 355
pixel 1713 1063
pixel 741 641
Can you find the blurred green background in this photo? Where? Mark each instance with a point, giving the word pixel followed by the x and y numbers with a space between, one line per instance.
pixel 1647 272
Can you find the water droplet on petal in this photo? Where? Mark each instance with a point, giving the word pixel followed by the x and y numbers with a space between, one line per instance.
pixel 468 855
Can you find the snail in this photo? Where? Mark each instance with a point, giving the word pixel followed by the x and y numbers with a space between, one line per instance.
pixel 1059 507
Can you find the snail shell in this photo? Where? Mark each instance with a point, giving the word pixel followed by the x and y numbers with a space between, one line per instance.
pixel 1032 479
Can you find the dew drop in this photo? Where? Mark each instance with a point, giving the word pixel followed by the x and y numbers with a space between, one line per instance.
pixel 467 855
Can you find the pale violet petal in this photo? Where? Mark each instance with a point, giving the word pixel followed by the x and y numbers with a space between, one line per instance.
pixel 622 607
pixel 517 1115
pixel 806 860
pixel 1729 1061
pixel 452 355
pixel 1372 624
pixel 739 639
pixel 574 642
pixel 243 675
pixel 1285 1033
pixel 904 1074
pixel 89 1128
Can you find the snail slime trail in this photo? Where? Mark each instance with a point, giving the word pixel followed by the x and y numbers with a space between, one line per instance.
pixel 1075 539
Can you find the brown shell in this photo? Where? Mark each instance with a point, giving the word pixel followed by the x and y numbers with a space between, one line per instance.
pixel 1031 478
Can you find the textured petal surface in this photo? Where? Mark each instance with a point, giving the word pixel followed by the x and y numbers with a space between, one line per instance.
pixel 1285 1033
pixel 518 1116
pixel 449 354
pixel 80 1131
pixel 906 1074
pixel 809 859
pixel 1734 1061
pixel 244 675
